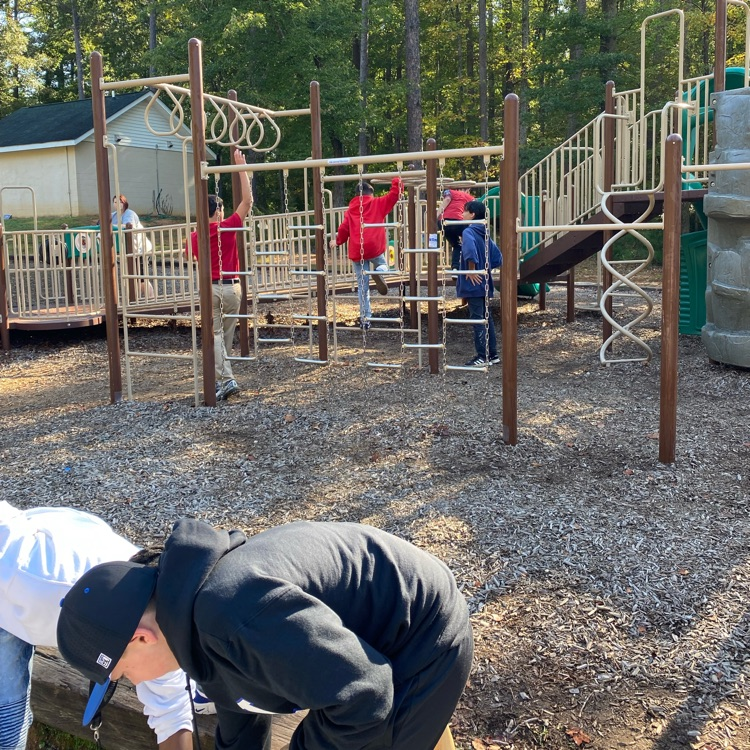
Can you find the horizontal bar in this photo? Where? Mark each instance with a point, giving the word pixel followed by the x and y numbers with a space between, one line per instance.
pixel 307 361
pixel 589 227
pixel 415 250
pixel 466 321
pixel 234 273
pixel 456 272
pixel 423 346
pixel 157 355
pixel 423 299
pixel 294 227
pixel 272 297
pixel 241 359
pixel 273 341
pixel 384 364
pixel 464 221
pixel 465 368
pixel 309 317
pixel 271 252
pixel 156 316
pixel 143 82
pixel 389 224
pixel 688 168
pixel 451 153
pixel 307 273
pixel 374 176
pixel 395 272
pixel 384 320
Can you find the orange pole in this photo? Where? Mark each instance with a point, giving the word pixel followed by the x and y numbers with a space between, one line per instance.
pixel 670 306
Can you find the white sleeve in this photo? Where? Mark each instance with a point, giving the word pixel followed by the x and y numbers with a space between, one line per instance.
pixel 166 703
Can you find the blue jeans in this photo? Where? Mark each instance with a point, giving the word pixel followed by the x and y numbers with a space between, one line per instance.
pixel 16 661
pixel 363 282
pixel 477 307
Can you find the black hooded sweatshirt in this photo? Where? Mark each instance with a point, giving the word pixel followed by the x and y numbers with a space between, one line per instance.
pixel 321 616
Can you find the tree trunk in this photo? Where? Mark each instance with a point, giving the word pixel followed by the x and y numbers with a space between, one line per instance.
pixel 608 40
pixel 363 67
pixel 484 129
pixel 413 77
pixel 523 84
pixel 576 53
pixel 79 51
pixel 152 36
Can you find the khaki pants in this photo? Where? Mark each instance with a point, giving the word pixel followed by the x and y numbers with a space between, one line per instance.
pixel 226 300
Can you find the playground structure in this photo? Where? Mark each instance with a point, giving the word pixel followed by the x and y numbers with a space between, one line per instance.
pixel 602 184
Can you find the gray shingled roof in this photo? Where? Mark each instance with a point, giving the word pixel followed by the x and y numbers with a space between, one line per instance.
pixel 62 121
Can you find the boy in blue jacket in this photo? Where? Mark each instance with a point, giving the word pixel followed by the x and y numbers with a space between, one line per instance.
pixel 477 288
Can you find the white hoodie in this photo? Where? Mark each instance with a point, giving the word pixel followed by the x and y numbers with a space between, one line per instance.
pixel 43 552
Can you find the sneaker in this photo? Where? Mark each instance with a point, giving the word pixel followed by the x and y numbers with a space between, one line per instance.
pixel 201 702
pixel 219 388
pixel 380 284
pixel 477 362
pixel 230 388
pixel 494 359
pixel 365 325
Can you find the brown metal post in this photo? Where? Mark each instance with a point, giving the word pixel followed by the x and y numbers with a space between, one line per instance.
pixel 320 235
pixel 198 127
pixel 4 325
pixel 570 286
pixel 432 260
pixel 411 209
pixel 509 278
pixel 241 245
pixel 720 46
pixel 109 267
pixel 608 177
pixel 670 306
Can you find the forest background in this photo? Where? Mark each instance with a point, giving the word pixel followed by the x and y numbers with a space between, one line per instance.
pixel 392 74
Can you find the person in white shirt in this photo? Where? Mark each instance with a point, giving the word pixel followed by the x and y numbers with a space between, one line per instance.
pixel 43 552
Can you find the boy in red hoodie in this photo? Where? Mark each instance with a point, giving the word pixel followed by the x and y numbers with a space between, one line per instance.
pixel 367 246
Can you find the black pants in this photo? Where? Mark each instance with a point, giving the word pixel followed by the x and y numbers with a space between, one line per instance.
pixel 453 234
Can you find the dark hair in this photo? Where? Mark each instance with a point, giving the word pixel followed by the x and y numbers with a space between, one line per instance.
pixel 477 208
pixel 148 556
pixel 214 203
pixel 123 202
pixel 364 188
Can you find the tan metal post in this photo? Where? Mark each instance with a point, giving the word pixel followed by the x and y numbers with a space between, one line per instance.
pixel 608 180
pixel 411 209
pixel 670 304
pixel 198 127
pixel 720 46
pixel 130 263
pixel 320 236
pixel 509 278
pixel 4 325
pixel 241 245
pixel 432 283
pixel 106 245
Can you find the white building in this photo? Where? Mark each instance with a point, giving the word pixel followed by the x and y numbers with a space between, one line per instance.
pixel 50 148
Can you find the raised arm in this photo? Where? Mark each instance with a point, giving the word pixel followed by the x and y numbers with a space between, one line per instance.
pixel 246 191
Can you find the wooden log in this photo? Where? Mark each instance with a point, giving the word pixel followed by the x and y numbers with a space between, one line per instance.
pixel 59 695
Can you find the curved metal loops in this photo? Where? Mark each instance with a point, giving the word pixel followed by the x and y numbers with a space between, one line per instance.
pixel 176 112
pixel 248 121
pixel 621 280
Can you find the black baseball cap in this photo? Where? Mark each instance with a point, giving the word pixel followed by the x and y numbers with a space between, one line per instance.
pixel 99 616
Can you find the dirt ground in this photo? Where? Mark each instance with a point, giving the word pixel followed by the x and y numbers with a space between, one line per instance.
pixel 609 592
